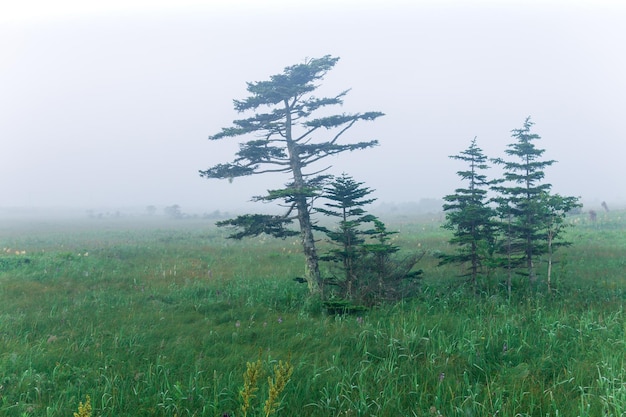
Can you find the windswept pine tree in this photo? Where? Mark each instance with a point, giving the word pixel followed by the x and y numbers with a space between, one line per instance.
pixel 469 215
pixel 286 136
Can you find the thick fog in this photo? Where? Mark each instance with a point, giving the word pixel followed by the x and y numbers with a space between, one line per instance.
pixel 112 107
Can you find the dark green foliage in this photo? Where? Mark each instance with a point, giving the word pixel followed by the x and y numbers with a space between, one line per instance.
pixel 526 223
pixel 13 262
pixel 256 224
pixel 347 198
pixel 362 250
pixel 386 277
pixel 341 306
pixel 469 216
pixel 556 207
pixel 286 95
pixel 524 205
pixel 381 246
pixel 291 193
pixel 288 139
pixel 519 205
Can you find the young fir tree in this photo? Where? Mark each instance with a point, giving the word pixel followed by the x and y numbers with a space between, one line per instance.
pixel 346 200
pixel 362 248
pixel 469 216
pixel 386 277
pixel 522 202
pixel 555 209
pixel 286 137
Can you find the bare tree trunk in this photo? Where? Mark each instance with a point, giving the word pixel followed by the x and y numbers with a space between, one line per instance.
pixel 475 267
pixel 508 254
pixel 529 255
pixel 549 261
pixel 312 271
pixel 531 269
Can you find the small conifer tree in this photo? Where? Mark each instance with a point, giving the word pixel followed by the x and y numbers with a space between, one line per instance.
pixel 346 200
pixel 362 247
pixel 555 209
pixel 387 276
pixel 525 207
pixel 469 215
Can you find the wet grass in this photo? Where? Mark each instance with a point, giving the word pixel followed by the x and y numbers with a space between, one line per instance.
pixel 159 319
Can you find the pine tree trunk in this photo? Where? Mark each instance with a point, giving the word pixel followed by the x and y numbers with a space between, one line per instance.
pixel 312 271
pixel 531 269
pixel 549 261
pixel 474 267
pixel 529 249
pixel 508 255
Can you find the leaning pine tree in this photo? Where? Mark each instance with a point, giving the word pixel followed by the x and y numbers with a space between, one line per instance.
pixel 469 216
pixel 287 138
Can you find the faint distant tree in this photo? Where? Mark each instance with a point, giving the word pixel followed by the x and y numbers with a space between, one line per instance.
pixel 593 216
pixel 173 212
pixel 469 215
pixel 286 138
pixel 151 210
pixel 524 199
pixel 215 214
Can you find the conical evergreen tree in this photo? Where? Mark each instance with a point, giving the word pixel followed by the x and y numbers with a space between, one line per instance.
pixel 469 216
pixel 346 201
pixel 363 250
pixel 387 277
pixel 521 202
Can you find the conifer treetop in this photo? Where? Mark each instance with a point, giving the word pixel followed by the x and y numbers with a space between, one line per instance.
pixel 283 126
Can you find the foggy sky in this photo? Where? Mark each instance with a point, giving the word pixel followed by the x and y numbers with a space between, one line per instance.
pixel 112 108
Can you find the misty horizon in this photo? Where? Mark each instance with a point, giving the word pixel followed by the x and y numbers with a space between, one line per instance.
pixel 112 111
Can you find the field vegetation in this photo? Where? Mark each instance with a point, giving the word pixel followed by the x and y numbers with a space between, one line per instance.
pixel 168 318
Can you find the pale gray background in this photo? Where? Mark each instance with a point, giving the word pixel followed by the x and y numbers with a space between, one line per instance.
pixel 109 104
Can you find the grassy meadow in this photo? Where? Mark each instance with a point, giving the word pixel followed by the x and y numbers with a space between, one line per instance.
pixel 160 318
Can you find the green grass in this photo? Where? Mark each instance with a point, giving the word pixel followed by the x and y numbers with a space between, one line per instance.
pixel 159 319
